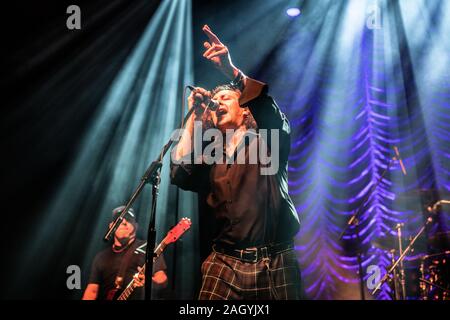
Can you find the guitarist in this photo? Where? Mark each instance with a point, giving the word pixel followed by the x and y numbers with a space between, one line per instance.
pixel 114 267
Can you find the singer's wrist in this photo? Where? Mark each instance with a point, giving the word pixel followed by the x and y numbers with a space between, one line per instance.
pixel 235 73
pixel 230 72
pixel 239 81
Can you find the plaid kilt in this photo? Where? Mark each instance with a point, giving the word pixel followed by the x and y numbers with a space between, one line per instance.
pixel 228 278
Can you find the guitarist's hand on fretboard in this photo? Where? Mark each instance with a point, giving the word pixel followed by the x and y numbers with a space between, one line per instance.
pixel 139 278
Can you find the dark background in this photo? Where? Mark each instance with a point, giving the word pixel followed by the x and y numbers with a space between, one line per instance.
pixel 39 142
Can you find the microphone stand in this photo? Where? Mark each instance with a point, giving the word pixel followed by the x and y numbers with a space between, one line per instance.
pixel 359 258
pixel 152 175
pixel 402 268
pixel 395 278
pixel 353 221
pixel 402 256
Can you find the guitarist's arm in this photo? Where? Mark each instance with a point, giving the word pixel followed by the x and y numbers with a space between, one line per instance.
pixel 92 289
pixel 91 292
pixel 159 278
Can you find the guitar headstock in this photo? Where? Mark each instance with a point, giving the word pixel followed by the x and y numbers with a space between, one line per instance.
pixel 176 232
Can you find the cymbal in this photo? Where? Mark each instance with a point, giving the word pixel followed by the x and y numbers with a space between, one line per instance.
pixel 436 255
pixel 442 235
pixel 387 242
pixel 415 257
pixel 424 193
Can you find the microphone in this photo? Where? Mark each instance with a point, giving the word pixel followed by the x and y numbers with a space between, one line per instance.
pixel 397 155
pixel 213 105
pixel 437 204
pixel 399 225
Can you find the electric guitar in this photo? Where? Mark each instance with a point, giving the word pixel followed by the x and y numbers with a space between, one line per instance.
pixel 173 235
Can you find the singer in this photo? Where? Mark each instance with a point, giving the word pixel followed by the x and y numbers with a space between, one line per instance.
pixel 253 250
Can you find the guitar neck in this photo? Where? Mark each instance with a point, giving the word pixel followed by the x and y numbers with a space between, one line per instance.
pixel 159 249
pixel 131 286
pixel 173 235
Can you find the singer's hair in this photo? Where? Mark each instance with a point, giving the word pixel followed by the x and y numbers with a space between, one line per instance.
pixel 224 87
pixel 249 121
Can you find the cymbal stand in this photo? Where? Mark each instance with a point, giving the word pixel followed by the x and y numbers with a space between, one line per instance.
pixel 394 279
pixel 401 267
pixel 402 256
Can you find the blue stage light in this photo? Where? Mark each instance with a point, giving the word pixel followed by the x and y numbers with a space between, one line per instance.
pixel 293 12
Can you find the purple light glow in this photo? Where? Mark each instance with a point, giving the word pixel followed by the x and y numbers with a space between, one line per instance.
pixel 330 175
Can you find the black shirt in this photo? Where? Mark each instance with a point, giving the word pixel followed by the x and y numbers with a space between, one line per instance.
pixel 107 264
pixel 251 209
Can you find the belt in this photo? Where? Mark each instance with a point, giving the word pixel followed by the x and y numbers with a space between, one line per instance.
pixel 254 254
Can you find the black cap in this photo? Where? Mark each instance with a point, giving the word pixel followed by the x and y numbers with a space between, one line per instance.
pixel 129 216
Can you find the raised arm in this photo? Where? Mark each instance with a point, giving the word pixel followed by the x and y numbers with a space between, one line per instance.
pixel 254 93
pixel 218 54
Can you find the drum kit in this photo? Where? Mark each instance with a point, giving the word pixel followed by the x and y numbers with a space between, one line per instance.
pixel 434 281
pixel 431 278
pixel 418 276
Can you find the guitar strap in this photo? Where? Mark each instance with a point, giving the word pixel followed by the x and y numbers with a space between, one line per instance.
pixel 124 265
